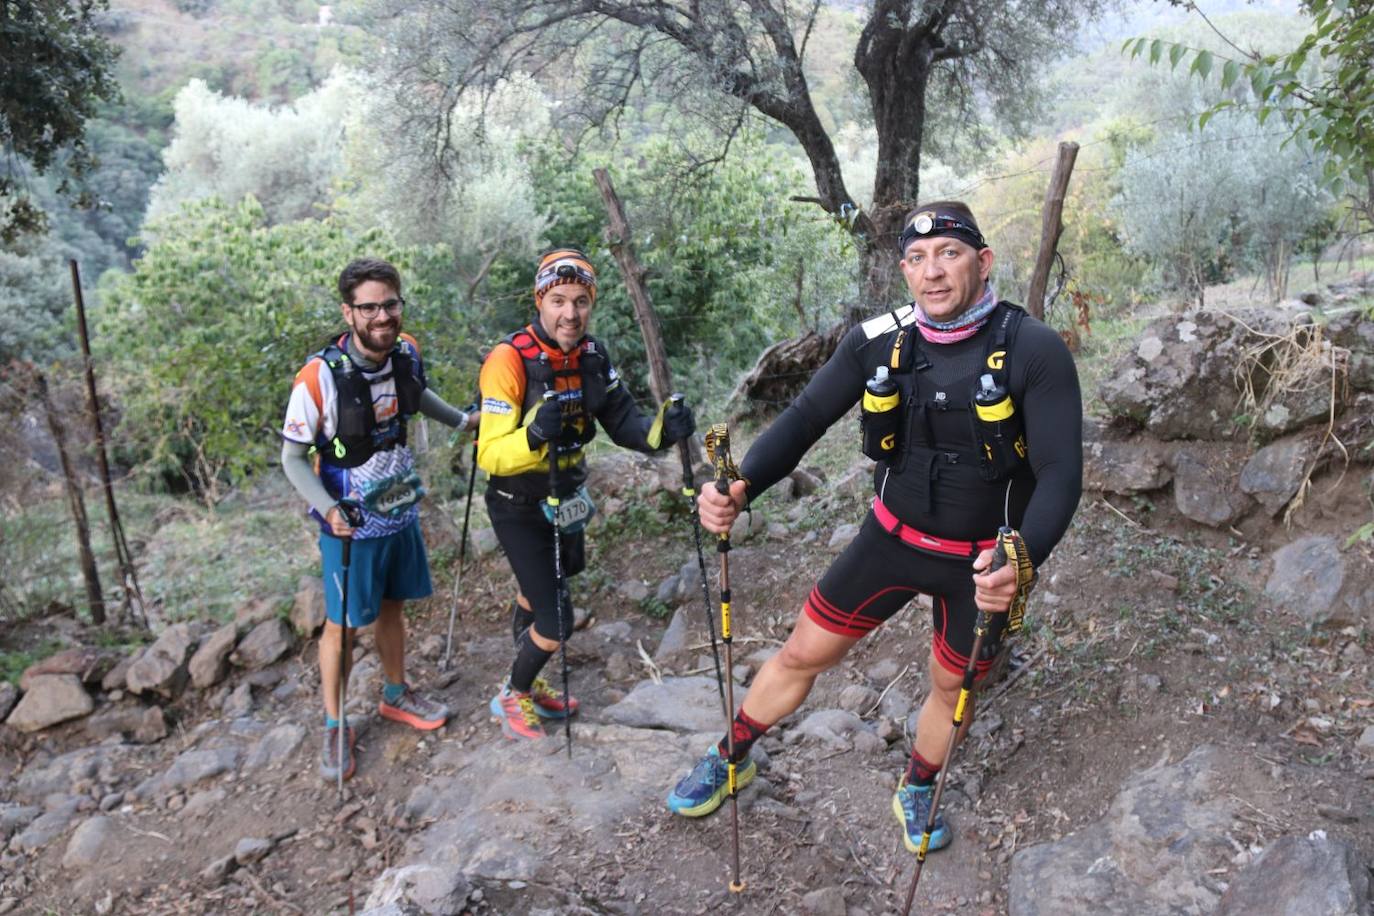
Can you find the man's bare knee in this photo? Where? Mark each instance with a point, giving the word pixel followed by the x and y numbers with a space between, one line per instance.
pixel 803 660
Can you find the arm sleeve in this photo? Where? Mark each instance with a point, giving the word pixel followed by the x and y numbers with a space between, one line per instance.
pixel 832 391
pixel 295 462
pixel 1053 407
pixel 431 405
pixel 502 446
pixel 625 423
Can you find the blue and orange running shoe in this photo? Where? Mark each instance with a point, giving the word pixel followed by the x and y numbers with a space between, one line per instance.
pixel 701 791
pixel 911 804
pixel 550 703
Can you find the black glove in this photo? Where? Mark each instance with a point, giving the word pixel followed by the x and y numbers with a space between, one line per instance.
pixel 547 424
pixel 678 423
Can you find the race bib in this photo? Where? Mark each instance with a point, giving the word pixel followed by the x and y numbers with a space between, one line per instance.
pixel 391 496
pixel 574 512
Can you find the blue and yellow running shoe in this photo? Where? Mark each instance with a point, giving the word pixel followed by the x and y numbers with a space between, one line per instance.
pixel 911 804
pixel 701 791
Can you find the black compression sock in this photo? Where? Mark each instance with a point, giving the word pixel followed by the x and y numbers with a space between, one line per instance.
pixel 745 731
pixel 529 661
pixel 520 621
pixel 921 772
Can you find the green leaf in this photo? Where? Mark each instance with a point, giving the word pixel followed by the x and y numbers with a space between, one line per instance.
pixel 1175 55
pixel 1156 48
pixel 1202 64
pixel 1229 72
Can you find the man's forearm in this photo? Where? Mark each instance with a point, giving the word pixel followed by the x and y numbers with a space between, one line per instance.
pixel 296 463
pixel 435 407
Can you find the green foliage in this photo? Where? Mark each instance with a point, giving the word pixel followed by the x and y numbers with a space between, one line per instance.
pixel 205 335
pixel 55 67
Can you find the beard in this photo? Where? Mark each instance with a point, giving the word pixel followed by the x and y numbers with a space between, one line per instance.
pixel 379 337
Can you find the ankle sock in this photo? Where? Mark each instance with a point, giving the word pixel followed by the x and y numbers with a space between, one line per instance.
pixel 920 771
pixel 330 721
pixel 745 731
pixel 529 661
pixel 392 693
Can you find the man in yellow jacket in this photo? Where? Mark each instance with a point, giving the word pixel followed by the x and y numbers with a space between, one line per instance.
pixel 520 429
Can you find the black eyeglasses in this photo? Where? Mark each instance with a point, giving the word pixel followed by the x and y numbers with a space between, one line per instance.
pixel 369 309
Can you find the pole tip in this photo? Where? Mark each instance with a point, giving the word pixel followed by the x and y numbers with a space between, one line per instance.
pixel 736 887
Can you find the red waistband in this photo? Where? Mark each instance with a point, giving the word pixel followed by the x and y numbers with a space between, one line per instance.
pixel 909 535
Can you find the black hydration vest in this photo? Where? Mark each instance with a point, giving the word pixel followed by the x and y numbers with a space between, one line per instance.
pixel 592 374
pixel 355 435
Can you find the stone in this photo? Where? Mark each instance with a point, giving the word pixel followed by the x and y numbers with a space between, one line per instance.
pixel 685 704
pixel 1321 584
pixel 211 661
pixel 256 611
pixel 130 721
pixel 1137 466
pixel 1204 488
pixel 201 804
pixel 668 590
pixel 275 746
pixel 86 662
pixel 239 703
pixel 218 871
pixel 427 888
pixel 307 609
pixel 14 816
pixel 805 482
pixel 9 695
pixel 47 827
pixel 117 677
pixel 1296 876
pixel 251 849
pixel 265 643
pixel 675 638
pixel 51 698
pixel 1148 856
pixel 88 843
pixel 831 726
pixel 858 698
pixel 162 666
pixel 634 590
pixel 484 541
pixel 1366 742
pixel 842 535
pixel 827 901
pixel 883 670
pixel 1274 473
pixel 190 768
pixel 111 801
pixel 784 491
pixel 855 483
pixel 746 525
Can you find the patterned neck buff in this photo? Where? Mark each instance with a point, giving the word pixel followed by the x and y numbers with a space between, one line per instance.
pixel 961 328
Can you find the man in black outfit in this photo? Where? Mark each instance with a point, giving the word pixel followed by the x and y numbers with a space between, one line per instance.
pixel 946 479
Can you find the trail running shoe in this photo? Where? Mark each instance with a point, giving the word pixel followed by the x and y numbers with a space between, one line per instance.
pixel 329 754
pixel 701 791
pixel 516 712
pixel 911 804
pixel 415 711
pixel 549 703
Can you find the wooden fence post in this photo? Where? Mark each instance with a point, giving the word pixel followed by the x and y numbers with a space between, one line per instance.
pixel 1051 225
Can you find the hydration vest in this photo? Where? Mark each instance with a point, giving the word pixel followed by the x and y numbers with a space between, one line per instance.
pixel 593 380
pixel 355 435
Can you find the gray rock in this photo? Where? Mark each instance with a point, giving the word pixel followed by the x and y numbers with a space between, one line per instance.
pixel 275 746
pixel 827 901
pixel 13 817
pixel 201 804
pixel 784 491
pixel 858 698
pixel 1137 466
pixel 633 590
pixel 51 698
pixel 117 677
pixel 882 671
pixel 88 764
pixel 211 661
pixel 1315 580
pixel 47 827
pixel 831 726
pixel 9 695
pixel 88 843
pixel 746 526
pixel 1204 488
pixel 267 642
pixel 668 590
pixel 686 704
pixel 131 721
pixel 111 801
pixel 218 871
pixel 484 541
pixel 430 889
pixel 86 662
pixel 161 668
pixel 257 611
pixel 1149 856
pixel 855 483
pixel 1366 742
pixel 805 482
pixel 1297 876
pixel 193 767
pixel 842 535
pixel 251 849
pixel 307 610
pixel 239 703
pixel 1274 473
pixel 675 638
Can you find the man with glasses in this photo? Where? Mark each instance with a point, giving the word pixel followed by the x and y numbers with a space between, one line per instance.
pixel 972 411
pixel 350 405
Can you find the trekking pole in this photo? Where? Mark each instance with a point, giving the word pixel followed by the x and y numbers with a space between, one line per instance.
pixel 689 490
pixel 563 630
pixel 462 557
pixel 718 445
pixel 353 515
pixel 980 630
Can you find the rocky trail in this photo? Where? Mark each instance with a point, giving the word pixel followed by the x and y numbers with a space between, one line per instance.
pixel 1185 727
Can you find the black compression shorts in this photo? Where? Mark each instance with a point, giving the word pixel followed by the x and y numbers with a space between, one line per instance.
pixel 877 575
pixel 527 538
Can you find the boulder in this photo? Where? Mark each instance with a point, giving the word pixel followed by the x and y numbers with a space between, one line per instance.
pixel 131 721
pixel 161 668
pixel 857 482
pixel 267 642
pixel 9 695
pixel 685 704
pixel 190 768
pixel 275 746
pixel 51 698
pixel 13 817
pixel 1297 876
pixel 746 526
pixel 842 535
pixel 1204 485
pixel 1317 581
pixel 117 677
pixel 88 843
pixel 307 611
pixel 1274 473
pixel 210 662
pixel 255 612
pixel 483 541
pixel 675 638
pixel 48 826
pixel 1137 466
pixel 1149 856
pixel 426 888
pixel 830 726
pixel 88 663
pixel 807 481
pixel 251 849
